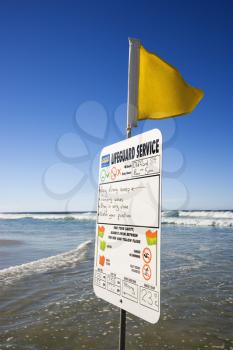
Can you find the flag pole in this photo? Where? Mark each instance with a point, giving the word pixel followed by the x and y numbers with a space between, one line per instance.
pixel 133 70
pixel 133 75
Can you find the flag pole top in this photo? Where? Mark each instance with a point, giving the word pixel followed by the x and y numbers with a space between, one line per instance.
pixel 134 42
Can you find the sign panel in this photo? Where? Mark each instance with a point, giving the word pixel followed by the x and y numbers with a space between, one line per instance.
pixel 127 249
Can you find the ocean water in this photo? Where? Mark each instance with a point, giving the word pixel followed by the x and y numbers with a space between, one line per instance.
pixel 47 300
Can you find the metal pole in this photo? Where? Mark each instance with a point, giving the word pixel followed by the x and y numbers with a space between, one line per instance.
pixel 123 312
pixel 133 76
pixel 128 130
pixel 122 329
pixel 134 45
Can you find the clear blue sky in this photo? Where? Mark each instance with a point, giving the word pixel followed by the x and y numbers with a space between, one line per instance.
pixel 57 55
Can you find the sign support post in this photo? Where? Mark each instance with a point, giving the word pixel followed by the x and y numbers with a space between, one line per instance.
pixel 122 311
pixel 122 329
pixel 134 45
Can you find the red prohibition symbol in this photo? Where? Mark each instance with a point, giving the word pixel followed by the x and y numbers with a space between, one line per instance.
pixel 146 255
pixel 146 272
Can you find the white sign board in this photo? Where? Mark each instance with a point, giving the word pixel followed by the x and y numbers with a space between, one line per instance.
pixel 127 249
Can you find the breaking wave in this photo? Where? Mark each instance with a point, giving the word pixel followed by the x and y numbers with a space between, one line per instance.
pixel 219 218
pixel 199 217
pixel 85 216
pixel 52 263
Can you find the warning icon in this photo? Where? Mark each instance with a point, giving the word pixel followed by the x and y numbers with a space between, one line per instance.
pixel 146 254
pixel 146 272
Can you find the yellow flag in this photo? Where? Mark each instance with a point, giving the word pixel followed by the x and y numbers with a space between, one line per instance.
pixel 162 92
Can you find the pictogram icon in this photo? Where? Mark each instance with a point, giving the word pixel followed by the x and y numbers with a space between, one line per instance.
pixel 146 255
pixel 146 272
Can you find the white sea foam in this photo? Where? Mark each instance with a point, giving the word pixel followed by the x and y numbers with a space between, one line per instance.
pixel 213 214
pixel 198 222
pixel 56 262
pixel 49 216
pixel 173 217
pixel 219 218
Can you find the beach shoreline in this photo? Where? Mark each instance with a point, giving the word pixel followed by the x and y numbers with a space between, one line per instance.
pixel 47 299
